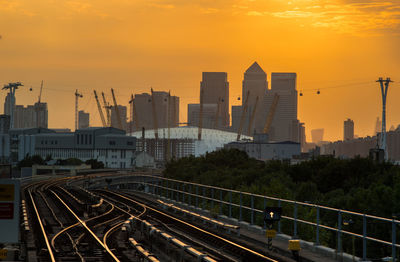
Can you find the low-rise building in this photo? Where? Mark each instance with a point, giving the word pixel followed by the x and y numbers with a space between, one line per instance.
pixel 106 144
pixel 263 150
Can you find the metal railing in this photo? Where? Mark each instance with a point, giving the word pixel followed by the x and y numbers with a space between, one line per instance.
pixel 250 207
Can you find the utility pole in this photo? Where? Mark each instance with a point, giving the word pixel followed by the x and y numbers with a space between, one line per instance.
pixel 384 84
pixel 12 87
pixel 77 96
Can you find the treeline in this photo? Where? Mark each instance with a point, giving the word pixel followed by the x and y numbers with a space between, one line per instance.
pixel 358 184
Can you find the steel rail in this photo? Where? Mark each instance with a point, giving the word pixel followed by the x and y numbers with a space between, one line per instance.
pixel 199 229
pixel 42 228
pixel 87 228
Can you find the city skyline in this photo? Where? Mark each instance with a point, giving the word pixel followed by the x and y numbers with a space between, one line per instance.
pixel 337 46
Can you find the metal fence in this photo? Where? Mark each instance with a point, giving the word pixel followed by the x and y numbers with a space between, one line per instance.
pixel 297 217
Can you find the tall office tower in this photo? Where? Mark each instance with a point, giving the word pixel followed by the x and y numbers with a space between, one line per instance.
pixel 302 131
pixel 7 102
pixel 41 115
pixel 143 112
pixel 83 119
pixel 122 115
pixel 209 115
pixel 166 110
pixel 348 129
pixel 4 124
pixel 317 135
pixel 255 82
pixel 284 124
pixel 215 88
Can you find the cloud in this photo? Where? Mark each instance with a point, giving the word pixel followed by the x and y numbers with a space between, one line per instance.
pixel 254 13
pixel 354 17
pixel 162 6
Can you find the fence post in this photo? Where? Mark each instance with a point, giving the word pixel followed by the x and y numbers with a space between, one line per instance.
pixel 197 195
pixel 339 232
pixel 220 201
pixel 393 240
pixel 317 229
pixel 240 207
pixel 190 194
pixel 279 222
pixel 252 209
pixel 183 193
pixel 265 206
pixel 166 190
pixel 204 199
pixel 230 204
pixel 212 196
pixel 364 237
pixel 295 220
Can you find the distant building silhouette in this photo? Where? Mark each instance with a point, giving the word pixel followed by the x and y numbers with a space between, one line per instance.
pixel 83 119
pixel 167 109
pixel 122 115
pixel 209 114
pixel 30 116
pixel 255 82
pixel 285 125
pixel 4 124
pixel 348 129
pixel 215 87
pixel 317 135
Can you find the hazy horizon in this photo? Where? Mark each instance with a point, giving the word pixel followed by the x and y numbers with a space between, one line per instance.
pixel 338 46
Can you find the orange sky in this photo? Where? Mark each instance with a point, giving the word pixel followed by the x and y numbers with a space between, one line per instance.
pixel 339 46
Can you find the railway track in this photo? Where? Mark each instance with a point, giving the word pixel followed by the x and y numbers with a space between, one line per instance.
pixel 218 246
pixel 74 224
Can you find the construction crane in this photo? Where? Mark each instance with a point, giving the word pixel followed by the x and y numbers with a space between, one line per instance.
pixel 271 114
pixel 107 108
pixel 77 96
pixel 244 110
pixel 153 105
pixel 253 114
pixel 12 87
pixel 200 115
pixel 99 108
pixel 40 93
pixel 116 110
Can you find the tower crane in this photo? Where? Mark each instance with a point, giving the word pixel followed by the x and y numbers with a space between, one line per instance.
pixel 271 114
pixel 253 114
pixel 200 115
pixel 107 108
pixel 153 105
pixel 40 93
pixel 77 96
pixel 244 110
pixel 116 110
pixel 103 121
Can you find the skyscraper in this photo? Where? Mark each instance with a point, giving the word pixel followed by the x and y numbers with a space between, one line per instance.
pixel 255 82
pixel 209 114
pixel 83 119
pixel 317 135
pixel 166 107
pixel 348 129
pixel 215 88
pixel 285 124
pixel 122 115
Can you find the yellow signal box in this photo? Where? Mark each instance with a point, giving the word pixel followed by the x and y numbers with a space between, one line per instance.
pixel 271 233
pixel 294 245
